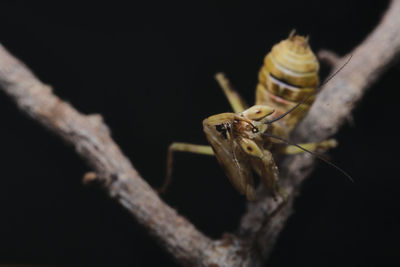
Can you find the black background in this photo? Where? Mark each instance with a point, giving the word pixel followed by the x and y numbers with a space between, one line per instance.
pixel 149 70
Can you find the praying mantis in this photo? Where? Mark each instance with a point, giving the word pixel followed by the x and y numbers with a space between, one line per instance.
pixel 245 140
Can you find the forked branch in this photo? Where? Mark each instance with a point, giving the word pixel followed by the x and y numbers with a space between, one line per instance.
pixel 330 110
pixel 90 137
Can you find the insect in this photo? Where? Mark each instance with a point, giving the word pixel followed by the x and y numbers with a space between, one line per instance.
pixel 244 141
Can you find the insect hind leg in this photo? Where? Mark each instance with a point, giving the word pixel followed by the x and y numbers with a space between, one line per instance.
pixel 181 147
pixel 235 100
pixel 291 150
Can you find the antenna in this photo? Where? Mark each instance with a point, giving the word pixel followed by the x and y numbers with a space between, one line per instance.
pixel 310 95
pixel 312 153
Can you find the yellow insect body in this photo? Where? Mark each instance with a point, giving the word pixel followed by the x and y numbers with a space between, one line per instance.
pixel 243 141
pixel 288 76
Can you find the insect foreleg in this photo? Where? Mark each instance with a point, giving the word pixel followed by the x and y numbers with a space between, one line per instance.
pixel 290 150
pixel 182 147
pixel 264 165
pixel 235 100
pixel 269 175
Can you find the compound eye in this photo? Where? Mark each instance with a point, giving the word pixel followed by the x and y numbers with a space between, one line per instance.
pixel 223 130
pixel 258 112
pixel 250 147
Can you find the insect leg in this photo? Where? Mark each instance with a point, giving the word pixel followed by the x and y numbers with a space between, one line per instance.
pixel 269 175
pixel 264 165
pixel 182 147
pixel 324 145
pixel 235 100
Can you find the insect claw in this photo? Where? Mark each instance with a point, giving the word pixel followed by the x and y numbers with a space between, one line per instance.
pixel 250 193
pixel 283 194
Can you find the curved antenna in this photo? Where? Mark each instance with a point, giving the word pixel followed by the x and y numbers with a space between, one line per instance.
pixel 312 153
pixel 310 95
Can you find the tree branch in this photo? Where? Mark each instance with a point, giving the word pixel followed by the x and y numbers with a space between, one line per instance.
pixel 329 57
pixel 265 218
pixel 328 113
pixel 92 141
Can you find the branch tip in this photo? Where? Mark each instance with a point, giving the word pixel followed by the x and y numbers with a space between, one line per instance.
pixel 89 178
pixel 329 57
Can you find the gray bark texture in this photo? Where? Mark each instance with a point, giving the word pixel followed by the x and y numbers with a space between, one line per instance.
pixel 265 218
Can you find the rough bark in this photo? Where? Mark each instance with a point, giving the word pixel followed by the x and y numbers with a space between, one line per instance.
pixel 265 218
pixel 330 110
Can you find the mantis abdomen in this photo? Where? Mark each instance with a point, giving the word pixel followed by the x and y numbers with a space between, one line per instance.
pixel 288 76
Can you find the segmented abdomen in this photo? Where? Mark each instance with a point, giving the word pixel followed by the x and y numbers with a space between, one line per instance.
pixel 289 74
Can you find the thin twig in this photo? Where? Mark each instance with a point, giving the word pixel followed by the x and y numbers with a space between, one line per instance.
pixel 329 57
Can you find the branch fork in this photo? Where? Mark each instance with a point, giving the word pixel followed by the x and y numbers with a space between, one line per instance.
pixel 264 219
